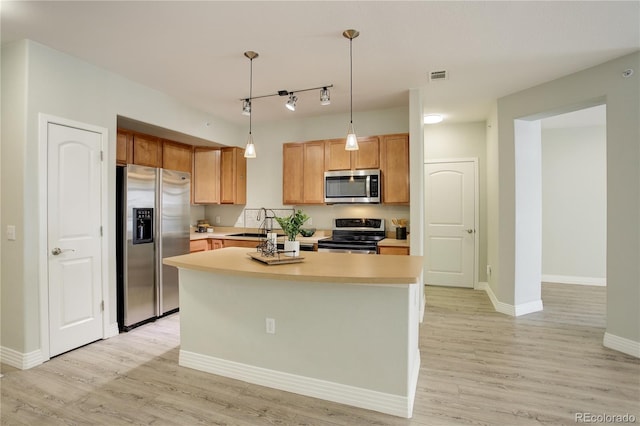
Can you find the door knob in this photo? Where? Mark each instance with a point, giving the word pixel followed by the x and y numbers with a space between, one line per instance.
pixel 470 231
pixel 57 250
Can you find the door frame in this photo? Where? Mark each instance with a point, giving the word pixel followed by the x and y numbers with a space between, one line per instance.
pixel 476 215
pixel 43 253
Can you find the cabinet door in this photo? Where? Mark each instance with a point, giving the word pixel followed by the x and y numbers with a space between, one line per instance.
pixel 313 178
pixel 215 244
pixel 335 156
pixel 292 173
pixel 368 154
pixel 176 156
pixel 394 250
pixel 124 147
pixel 395 168
pixel 147 151
pixel 206 176
pixel 233 169
pixel 198 245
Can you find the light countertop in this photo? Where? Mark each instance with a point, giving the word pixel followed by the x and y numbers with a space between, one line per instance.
pixel 226 232
pixel 392 242
pixel 319 267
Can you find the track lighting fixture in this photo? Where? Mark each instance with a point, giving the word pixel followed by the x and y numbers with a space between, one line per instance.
pixel 352 139
pixel 291 103
pixel 250 149
pixel 324 96
pixel 293 99
pixel 246 107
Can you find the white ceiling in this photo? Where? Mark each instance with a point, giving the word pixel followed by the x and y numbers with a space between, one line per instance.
pixel 194 50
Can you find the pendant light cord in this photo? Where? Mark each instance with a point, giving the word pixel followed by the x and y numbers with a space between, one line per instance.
pixel 250 91
pixel 351 76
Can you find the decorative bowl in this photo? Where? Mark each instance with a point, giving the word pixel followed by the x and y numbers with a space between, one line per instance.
pixel 308 232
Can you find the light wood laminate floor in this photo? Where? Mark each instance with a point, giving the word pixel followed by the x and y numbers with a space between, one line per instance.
pixel 478 368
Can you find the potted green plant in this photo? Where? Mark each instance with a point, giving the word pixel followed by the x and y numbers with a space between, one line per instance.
pixel 291 226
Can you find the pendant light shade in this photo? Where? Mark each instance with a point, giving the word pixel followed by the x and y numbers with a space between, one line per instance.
pixel 352 139
pixel 250 148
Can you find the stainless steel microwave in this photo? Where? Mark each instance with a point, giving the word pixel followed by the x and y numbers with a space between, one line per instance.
pixel 352 186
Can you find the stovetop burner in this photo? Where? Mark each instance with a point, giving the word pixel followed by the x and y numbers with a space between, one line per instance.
pixel 355 234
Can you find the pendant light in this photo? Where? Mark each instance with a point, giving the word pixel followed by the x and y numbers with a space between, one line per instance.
pixel 352 140
pixel 250 149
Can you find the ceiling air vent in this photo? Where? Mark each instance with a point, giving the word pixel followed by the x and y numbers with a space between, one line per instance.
pixel 438 75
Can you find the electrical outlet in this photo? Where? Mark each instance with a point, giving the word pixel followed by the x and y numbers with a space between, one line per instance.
pixel 11 232
pixel 217 220
pixel 488 270
pixel 270 326
pixel 310 221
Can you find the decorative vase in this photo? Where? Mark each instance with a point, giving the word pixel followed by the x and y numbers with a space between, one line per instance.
pixel 291 248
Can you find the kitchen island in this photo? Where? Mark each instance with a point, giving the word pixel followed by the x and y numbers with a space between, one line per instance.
pixel 341 327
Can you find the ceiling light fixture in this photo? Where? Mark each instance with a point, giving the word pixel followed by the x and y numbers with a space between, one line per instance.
pixel 325 99
pixel 291 103
pixel 250 149
pixel 352 139
pixel 246 107
pixel 432 118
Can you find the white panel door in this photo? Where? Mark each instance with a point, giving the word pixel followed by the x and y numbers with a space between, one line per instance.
pixel 74 220
pixel 450 224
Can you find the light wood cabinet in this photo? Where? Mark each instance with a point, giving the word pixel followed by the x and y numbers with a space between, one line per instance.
pixel 215 244
pixel 206 176
pixel 394 250
pixel 147 150
pixel 124 147
pixel 394 159
pixel 303 173
pixel 177 156
pixel 366 157
pixel 198 245
pixel 233 181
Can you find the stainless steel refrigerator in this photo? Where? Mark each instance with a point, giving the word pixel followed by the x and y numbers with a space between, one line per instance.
pixel 153 215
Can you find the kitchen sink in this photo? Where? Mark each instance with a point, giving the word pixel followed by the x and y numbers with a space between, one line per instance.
pixel 249 234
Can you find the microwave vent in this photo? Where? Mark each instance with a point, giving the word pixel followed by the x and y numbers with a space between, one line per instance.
pixel 438 75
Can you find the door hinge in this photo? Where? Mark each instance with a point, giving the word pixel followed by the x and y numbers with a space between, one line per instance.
pixel 101 155
pixel 101 231
pixel 102 306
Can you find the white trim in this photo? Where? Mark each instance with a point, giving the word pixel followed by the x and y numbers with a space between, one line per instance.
pixel 476 218
pixel 43 252
pixel 111 330
pixel 505 308
pixel 568 279
pixel 396 405
pixel 617 343
pixel 19 360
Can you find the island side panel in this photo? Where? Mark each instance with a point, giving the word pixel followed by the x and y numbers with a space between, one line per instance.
pixel 356 335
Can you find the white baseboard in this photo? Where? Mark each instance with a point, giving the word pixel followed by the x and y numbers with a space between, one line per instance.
pixel 505 308
pixel 396 405
pixel 568 279
pixel 627 346
pixel 112 330
pixel 20 360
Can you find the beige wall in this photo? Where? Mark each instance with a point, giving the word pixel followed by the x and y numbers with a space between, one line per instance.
pixel 601 84
pixel 464 140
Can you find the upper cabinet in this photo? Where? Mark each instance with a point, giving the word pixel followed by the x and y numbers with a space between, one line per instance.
pixel 147 150
pixel 303 173
pixel 366 157
pixel 176 156
pixel 124 147
pixel 206 176
pixel 233 179
pixel 394 159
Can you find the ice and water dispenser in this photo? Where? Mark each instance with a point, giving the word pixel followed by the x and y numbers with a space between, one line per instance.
pixel 143 226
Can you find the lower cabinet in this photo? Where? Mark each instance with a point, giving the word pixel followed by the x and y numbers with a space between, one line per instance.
pixel 394 250
pixel 240 243
pixel 198 245
pixel 215 244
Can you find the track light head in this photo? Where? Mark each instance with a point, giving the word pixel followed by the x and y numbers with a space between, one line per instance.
pixel 325 99
pixel 291 103
pixel 246 107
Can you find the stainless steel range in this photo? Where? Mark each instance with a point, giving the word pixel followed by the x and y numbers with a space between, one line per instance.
pixel 352 235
